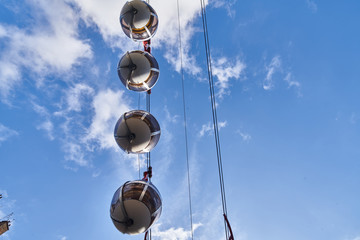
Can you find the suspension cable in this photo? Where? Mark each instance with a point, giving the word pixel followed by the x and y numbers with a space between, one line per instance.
pixel 148 158
pixel 147 48
pixel 214 114
pixel 138 156
pixel 185 121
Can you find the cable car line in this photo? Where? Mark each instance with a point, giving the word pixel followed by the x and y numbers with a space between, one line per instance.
pixel 185 121
pixel 138 157
pixel 215 121
pixel 138 203
pixel 147 48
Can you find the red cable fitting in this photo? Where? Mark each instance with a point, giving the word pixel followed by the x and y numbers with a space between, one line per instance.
pixel 145 178
pixel 147 174
pixel 147 47
pixel 231 237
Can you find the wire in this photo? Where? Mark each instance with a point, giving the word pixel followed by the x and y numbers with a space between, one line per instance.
pixel 214 113
pixel 138 157
pixel 147 48
pixel 185 121
pixel 148 102
pixel 148 154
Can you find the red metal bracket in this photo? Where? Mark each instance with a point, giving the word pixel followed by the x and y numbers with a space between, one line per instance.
pixel 147 47
pixel 147 174
pixel 231 237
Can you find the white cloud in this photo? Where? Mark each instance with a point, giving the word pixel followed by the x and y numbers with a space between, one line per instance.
pixel 82 130
pixel 168 36
pixel 81 135
pixel 74 99
pixel 275 67
pixel 62 237
pixel 272 68
pixel 213 219
pixel 354 118
pixel 51 45
pixel 9 78
pixel 97 14
pixel 208 128
pixel 312 5
pixel 48 127
pixel 245 136
pixel 228 5
pixel 75 96
pixel 165 147
pixel 2 31
pixel 222 124
pixel 205 128
pixel 172 233
pixel 6 133
pixel 351 238
pixel 104 16
pixel 41 110
pixel 224 70
pixel 170 118
pixel 292 83
pixel 108 105
pixel 75 153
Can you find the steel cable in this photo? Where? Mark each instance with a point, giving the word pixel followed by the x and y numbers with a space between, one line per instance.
pixel 214 113
pixel 185 121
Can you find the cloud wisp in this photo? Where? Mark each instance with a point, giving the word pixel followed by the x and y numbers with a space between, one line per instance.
pixel 173 233
pixel 207 129
pixel 228 5
pixel 96 15
pixel 6 133
pixel 354 118
pixel 273 67
pixel 51 46
pixel 292 83
pixel 312 5
pixel 224 70
pixel 47 124
pixel 83 135
pixel 108 106
pixel 246 137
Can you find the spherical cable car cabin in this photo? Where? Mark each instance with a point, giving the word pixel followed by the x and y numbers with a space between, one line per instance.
pixel 137 131
pixel 138 70
pixel 135 207
pixel 138 20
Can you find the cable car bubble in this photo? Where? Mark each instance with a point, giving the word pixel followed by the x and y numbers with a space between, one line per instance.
pixel 137 131
pixel 135 207
pixel 138 71
pixel 138 20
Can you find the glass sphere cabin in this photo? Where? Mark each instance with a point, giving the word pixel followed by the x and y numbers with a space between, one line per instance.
pixel 138 20
pixel 137 131
pixel 135 207
pixel 138 71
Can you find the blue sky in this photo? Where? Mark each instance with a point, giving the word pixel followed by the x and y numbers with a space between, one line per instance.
pixel 287 85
